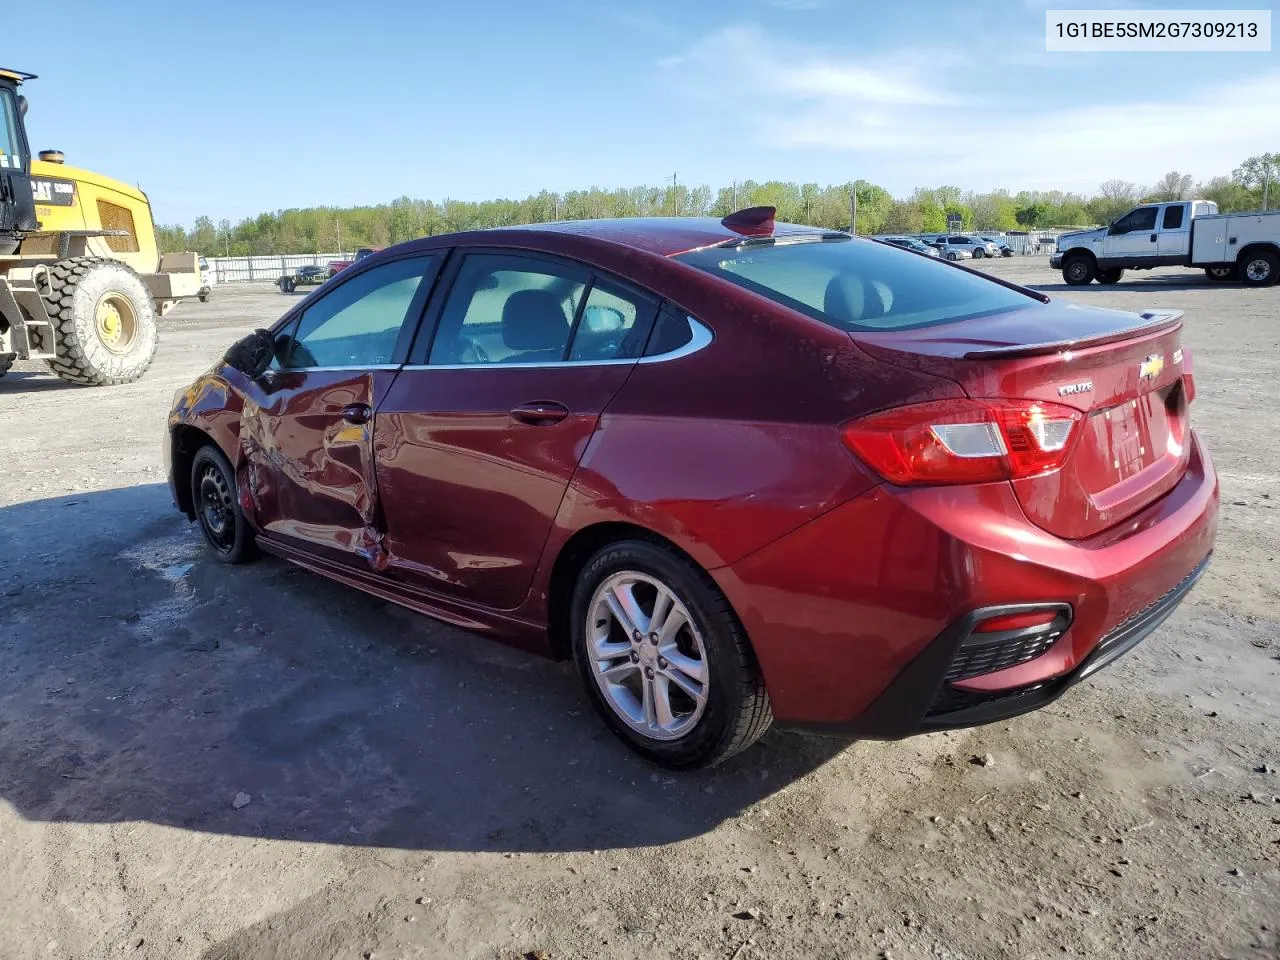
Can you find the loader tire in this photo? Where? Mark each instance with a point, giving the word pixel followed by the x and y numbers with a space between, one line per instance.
pixel 104 322
pixel 6 361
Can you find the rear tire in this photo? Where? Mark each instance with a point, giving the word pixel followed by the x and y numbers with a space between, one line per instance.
pixel 1259 268
pixel 217 507
pixel 6 362
pixel 1078 271
pixel 1110 276
pixel 707 652
pixel 104 322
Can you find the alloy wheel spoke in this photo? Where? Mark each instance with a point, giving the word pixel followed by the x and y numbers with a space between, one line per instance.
pixel 619 671
pixel 691 668
pixel 662 702
pixel 625 609
pixel 650 710
pixel 606 649
pixel 696 691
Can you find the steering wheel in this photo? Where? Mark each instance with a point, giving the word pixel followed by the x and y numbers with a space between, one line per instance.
pixel 470 351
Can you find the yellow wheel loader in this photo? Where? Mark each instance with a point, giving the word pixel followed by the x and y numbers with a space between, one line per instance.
pixel 81 279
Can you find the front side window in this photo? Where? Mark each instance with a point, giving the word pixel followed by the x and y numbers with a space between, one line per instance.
pixel 1144 218
pixel 1173 217
pixel 857 285
pixel 358 323
pixel 508 309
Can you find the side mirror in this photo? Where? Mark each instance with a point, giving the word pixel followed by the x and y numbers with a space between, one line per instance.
pixel 252 354
pixel 22 106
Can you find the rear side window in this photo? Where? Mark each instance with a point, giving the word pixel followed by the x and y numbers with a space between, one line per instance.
pixel 858 285
pixel 670 334
pixel 508 309
pixel 612 326
pixel 1173 217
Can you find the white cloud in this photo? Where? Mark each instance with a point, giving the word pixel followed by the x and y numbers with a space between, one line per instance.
pixel 895 119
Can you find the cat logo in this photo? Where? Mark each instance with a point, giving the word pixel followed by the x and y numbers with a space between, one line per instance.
pixel 1151 367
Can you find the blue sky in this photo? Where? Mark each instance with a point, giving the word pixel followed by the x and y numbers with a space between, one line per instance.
pixel 236 108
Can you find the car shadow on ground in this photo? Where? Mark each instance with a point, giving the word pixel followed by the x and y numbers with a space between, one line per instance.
pixel 144 681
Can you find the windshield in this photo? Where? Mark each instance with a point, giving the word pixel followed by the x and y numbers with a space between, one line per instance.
pixel 10 142
pixel 856 284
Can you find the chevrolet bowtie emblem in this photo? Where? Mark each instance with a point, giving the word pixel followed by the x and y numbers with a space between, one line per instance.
pixel 1151 367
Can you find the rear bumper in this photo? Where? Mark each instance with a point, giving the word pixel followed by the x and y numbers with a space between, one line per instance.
pixel 857 616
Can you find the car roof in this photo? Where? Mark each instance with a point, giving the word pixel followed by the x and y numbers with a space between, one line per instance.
pixel 665 236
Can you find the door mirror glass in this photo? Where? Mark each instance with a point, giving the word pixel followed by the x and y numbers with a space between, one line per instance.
pixel 252 355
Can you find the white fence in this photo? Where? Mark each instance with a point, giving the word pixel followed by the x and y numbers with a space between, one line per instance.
pixel 270 268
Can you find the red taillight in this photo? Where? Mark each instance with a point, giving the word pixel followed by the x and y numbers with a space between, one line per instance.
pixel 964 441
pixel 1016 621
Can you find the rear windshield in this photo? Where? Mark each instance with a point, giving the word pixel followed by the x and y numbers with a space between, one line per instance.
pixel 856 284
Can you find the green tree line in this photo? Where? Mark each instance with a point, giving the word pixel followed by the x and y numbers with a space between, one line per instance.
pixel 326 229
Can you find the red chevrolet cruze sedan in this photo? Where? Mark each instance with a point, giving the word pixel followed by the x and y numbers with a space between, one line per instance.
pixel 740 472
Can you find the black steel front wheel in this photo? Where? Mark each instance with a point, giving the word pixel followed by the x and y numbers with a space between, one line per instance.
pixel 213 498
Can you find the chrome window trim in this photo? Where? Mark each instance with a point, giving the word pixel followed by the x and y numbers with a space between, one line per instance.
pixel 358 366
pixel 702 337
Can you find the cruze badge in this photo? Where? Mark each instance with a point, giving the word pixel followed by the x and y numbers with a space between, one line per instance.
pixel 1151 367
pixel 1083 386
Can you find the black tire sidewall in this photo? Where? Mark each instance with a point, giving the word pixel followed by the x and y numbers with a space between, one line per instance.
pixel 244 547
pixel 720 633
pixel 1271 260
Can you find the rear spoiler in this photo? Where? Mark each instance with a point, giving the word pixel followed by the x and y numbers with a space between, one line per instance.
pixel 1154 322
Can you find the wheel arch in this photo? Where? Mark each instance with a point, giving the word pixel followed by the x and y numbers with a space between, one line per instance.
pixel 186 441
pixel 1256 247
pixel 1075 252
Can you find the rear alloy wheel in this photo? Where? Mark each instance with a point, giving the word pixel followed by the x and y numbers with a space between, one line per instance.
pixel 1110 276
pixel 1078 271
pixel 664 660
pixel 213 495
pixel 1222 274
pixel 1259 268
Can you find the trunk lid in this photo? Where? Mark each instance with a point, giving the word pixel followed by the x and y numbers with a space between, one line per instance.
pixel 1124 371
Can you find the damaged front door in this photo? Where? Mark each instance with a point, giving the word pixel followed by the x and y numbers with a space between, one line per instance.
pixel 307 433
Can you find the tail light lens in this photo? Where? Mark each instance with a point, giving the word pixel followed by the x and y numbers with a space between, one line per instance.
pixel 965 441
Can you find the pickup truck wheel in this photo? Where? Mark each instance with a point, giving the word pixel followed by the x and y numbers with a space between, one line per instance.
pixel 1259 268
pixel 1221 274
pixel 1110 276
pixel 1078 271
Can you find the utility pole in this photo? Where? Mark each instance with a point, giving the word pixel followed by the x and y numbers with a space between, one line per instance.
pixel 337 226
pixel 675 200
pixel 853 209
pixel 735 196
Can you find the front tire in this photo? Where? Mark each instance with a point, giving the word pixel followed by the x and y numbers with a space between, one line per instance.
pixel 953 257
pixel 1259 268
pixel 217 508
pixel 1110 276
pixel 978 253
pixel 664 659
pixel 1078 271
pixel 104 322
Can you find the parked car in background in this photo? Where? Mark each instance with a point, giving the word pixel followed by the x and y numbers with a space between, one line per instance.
pixel 977 247
pixel 1002 246
pixel 952 251
pixel 913 244
pixel 336 265
pixel 739 471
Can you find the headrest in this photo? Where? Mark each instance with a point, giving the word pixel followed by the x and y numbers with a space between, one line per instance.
pixel 534 320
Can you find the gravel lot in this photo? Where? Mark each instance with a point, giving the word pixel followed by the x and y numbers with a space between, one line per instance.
pixel 416 792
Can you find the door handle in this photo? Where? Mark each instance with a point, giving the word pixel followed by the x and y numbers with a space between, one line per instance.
pixel 1153 238
pixel 357 413
pixel 539 413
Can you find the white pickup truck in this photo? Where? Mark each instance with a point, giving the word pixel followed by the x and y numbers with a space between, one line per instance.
pixel 1188 233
